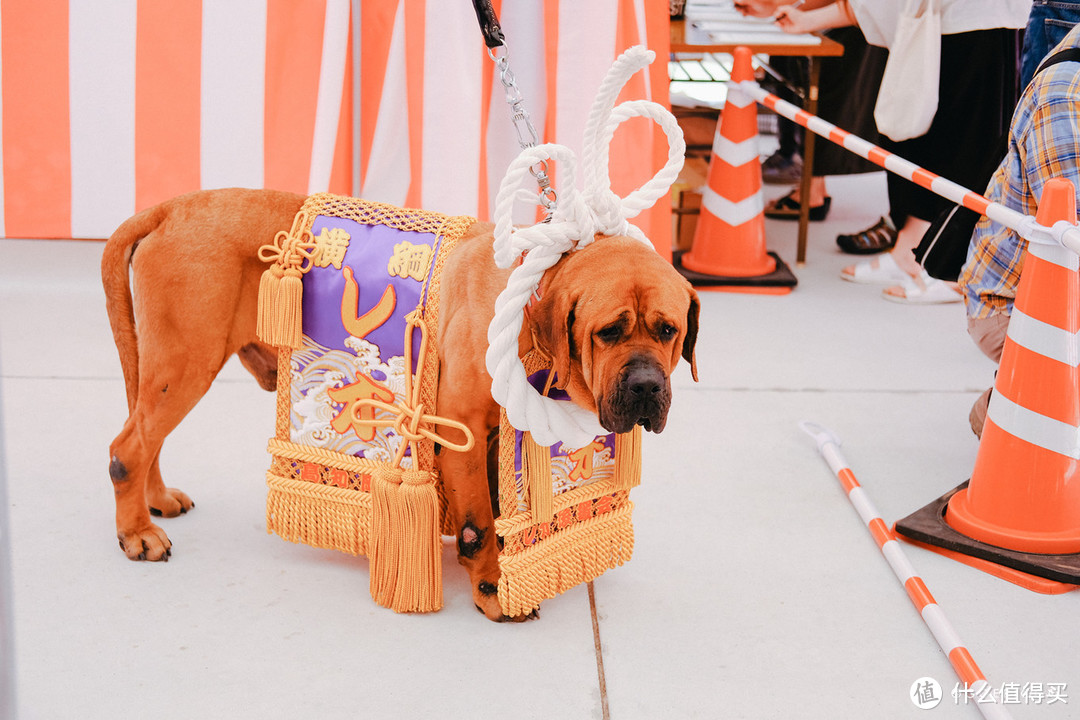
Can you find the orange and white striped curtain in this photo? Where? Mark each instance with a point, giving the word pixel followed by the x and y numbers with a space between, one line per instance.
pixel 110 106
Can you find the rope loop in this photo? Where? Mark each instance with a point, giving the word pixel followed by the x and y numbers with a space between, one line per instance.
pixel 576 220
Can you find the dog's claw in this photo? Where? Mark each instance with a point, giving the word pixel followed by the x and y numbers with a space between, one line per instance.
pixel 151 544
pixel 170 503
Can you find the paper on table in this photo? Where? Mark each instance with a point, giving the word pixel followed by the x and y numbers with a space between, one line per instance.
pixel 733 37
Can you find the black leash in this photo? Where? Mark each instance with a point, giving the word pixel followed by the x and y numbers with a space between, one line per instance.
pixel 489 23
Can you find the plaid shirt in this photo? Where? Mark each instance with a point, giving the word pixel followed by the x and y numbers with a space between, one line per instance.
pixel 1044 142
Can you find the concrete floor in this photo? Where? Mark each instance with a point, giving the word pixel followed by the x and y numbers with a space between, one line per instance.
pixel 754 591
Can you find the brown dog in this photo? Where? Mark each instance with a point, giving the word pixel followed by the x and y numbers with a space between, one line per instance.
pixel 614 318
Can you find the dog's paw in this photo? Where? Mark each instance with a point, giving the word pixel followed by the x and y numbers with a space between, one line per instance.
pixel 488 604
pixel 501 618
pixel 150 543
pixel 169 503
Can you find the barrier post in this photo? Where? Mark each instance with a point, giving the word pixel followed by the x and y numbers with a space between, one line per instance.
pixel 1020 511
pixel 729 251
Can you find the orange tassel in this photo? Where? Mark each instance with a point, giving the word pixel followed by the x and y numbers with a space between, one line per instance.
pixel 406 548
pixel 536 477
pixel 628 459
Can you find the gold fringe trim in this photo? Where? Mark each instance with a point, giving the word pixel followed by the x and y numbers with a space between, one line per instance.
pixel 570 557
pixel 318 515
pixel 628 459
pixel 536 478
pixel 406 548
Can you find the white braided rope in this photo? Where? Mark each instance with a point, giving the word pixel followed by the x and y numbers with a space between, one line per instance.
pixel 577 218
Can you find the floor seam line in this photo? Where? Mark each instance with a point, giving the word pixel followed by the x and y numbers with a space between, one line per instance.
pixel 599 653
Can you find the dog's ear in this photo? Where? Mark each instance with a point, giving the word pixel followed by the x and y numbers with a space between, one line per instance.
pixel 690 340
pixel 551 322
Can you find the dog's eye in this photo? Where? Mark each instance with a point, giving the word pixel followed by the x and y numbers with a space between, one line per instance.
pixel 610 334
pixel 668 331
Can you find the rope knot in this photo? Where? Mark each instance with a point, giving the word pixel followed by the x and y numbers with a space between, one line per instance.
pixel 576 220
pixel 408 417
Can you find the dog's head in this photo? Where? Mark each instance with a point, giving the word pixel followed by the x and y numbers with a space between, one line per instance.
pixel 615 318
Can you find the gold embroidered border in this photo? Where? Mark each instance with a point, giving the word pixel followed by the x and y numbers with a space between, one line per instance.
pixel 310 473
pixel 447 229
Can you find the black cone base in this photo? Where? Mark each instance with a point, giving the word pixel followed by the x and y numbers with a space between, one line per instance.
pixel 928 526
pixel 779 280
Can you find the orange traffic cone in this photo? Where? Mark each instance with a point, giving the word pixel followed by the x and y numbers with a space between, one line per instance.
pixel 1021 508
pixel 729 244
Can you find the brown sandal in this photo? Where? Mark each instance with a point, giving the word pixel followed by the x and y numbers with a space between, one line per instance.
pixel 877 238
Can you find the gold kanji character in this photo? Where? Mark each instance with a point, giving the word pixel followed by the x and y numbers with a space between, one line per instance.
pixel 410 261
pixel 583 460
pixel 363 389
pixel 330 247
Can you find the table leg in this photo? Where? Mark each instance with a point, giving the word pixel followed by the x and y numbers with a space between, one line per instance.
pixel 808 163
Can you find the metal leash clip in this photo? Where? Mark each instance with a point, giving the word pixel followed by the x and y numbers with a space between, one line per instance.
pixel 526 132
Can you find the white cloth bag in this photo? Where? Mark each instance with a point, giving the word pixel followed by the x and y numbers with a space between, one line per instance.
pixel 908 98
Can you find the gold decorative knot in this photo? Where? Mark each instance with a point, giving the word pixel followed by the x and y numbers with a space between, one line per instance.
pixel 410 421
pixel 292 251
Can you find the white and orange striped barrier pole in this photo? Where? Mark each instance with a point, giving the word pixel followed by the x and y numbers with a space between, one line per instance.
pixel 1060 233
pixel 729 250
pixel 1019 516
pixel 943 631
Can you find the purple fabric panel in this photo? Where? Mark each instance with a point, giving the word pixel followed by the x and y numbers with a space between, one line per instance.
pixel 369 252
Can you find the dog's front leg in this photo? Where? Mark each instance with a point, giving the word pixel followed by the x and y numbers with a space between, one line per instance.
pixel 465 480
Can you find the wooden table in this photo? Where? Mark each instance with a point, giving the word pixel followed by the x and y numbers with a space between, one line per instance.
pixel 687 39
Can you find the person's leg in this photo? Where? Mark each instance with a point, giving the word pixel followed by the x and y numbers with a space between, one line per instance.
pixel 919 287
pixel 784 167
pixel 817 192
pixel 907 239
pixel 989 336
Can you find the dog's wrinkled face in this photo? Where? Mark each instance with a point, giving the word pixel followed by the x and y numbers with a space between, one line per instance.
pixel 615 318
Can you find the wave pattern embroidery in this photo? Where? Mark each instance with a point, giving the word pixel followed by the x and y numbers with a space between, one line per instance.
pixel 321 412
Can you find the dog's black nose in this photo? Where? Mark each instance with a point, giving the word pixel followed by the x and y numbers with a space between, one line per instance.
pixel 640 396
pixel 644 381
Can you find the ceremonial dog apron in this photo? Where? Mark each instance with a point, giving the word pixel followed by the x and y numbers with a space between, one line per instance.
pixel 351 301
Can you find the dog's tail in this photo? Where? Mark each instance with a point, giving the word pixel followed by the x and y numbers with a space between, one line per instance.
pixel 115 277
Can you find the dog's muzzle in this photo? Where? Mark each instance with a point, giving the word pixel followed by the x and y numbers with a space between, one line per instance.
pixel 641 396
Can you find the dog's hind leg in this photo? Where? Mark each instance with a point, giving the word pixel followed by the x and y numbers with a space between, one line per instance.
pixel 166 394
pixel 164 501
